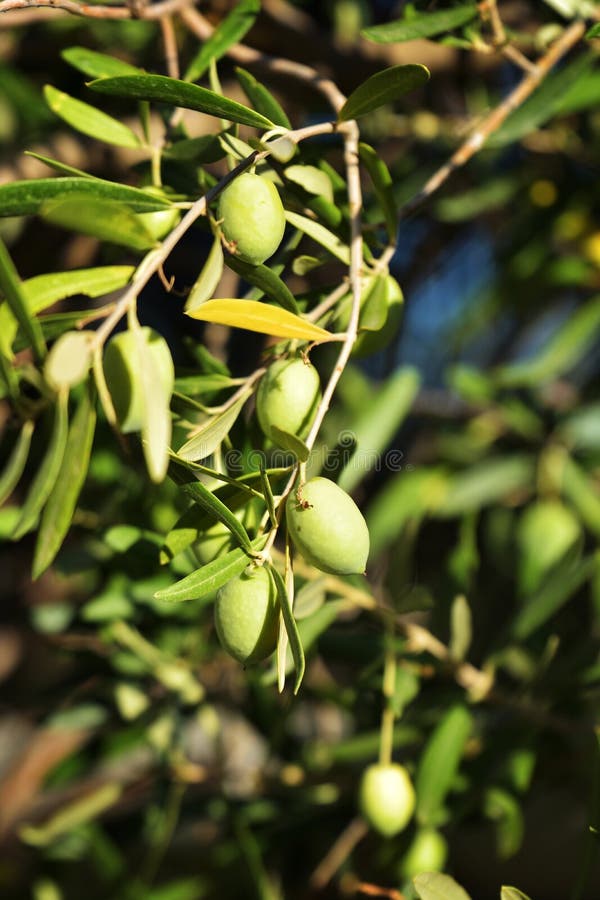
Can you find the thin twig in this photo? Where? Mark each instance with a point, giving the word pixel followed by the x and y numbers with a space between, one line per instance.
pixel 170 47
pixel 151 11
pixel 496 117
pixel 199 26
pixel 338 853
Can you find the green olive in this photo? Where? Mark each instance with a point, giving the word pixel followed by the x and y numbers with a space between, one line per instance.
pixel 327 527
pixel 252 217
pixel 287 397
pixel 427 853
pixel 247 616
pixel 162 221
pixel 121 371
pixel 387 797
pixel 212 543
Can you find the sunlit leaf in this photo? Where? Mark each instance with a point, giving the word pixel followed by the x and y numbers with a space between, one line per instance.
pixel 102 219
pixel 22 198
pixel 161 89
pixel 97 65
pixel 381 88
pixel 312 179
pixel 437 886
pixel 208 279
pixel 89 120
pixel 262 99
pixel 210 435
pixel 16 463
pixel 291 628
pixel 60 507
pixel 320 234
pixel 11 287
pixel 254 316
pixel 47 472
pixel 205 581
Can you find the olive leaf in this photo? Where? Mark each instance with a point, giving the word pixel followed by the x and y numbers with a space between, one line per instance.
pixel 291 628
pixel 60 507
pixel 381 88
pixel 254 316
pixel 208 279
pixel 48 471
pixel 208 579
pixel 209 436
pixel 16 462
pixel 89 120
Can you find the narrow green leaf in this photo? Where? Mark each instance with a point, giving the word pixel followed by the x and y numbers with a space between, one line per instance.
pixel 486 483
pixel 205 581
pixel 200 385
pixel 42 291
pixel 268 494
pixel 290 442
pixel 89 120
pixel 593 32
pixel 23 198
pixel 381 88
pixel 382 185
pixel 97 65
pixel 422 25
pixel 16 463
pixel 558 590
pixel 374 307
pixel 262 99
pixel 512 893
pixel 48 471
pixel 437 886
pixel 161 89
pixel 320 234
pixel 311 179
pixel 11 287
pixel 58 165
pixel 461 628
pixel 560 353
pixel 439 763
pixel 156 391
pixel 291 628
pixel 212 433
pixel 546 101
pixel 581 490
pixel 102 219
pixel 208 279
pixel 217 509
pixel 230 31
pixel 74 814
pixel 266 280
pixel 379 422
pixel 58 511
pixel 254 316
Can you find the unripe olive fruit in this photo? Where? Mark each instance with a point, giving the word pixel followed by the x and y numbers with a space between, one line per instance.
pixel 387 797
pixel 327 527
pixel 212 543
pixel 287 397
pixel 252 217
pixel 247 615
pixel 427 853
pixel 123 378
pixel 162 221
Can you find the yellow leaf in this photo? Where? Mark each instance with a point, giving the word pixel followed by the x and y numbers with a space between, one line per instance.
pixel 255 316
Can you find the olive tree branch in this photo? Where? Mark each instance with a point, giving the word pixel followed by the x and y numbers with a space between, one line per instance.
pixel 496 117
pixel 150 11
pixel 199 26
